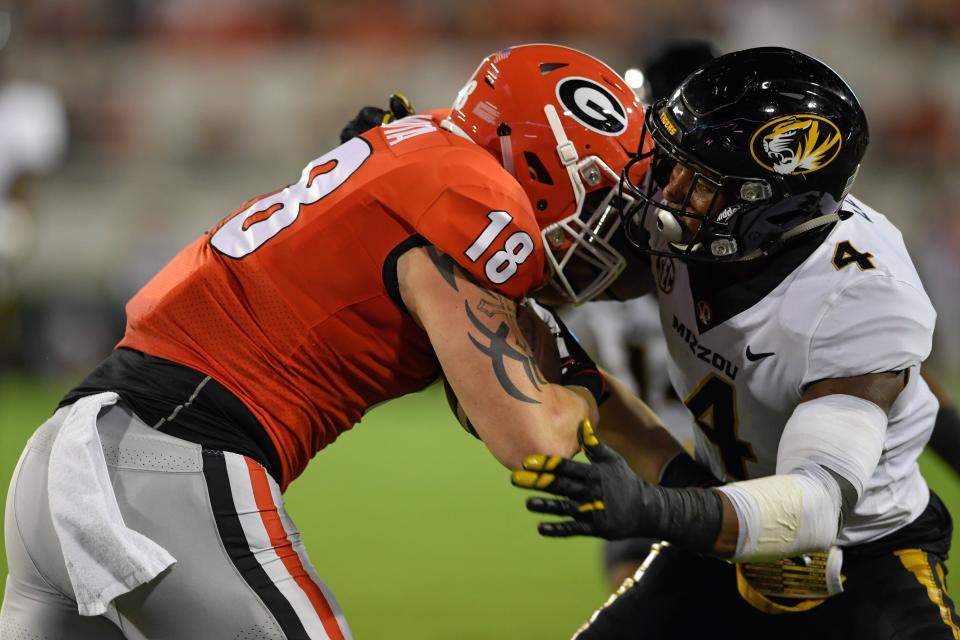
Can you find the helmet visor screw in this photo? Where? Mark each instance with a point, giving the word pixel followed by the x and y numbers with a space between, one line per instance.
pixel 723 247
pixel 555 237
pixel 591 175
pixel 755 191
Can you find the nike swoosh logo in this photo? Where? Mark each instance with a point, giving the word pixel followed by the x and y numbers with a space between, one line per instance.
pixel 753 357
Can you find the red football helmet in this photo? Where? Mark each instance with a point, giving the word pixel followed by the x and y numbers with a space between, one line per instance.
pixel 564 125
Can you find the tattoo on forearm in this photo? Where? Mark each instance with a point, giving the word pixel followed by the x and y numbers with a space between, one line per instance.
pixel 493 305
pixel 445 265
pixel 499 350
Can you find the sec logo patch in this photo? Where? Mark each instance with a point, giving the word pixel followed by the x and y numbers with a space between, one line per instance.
pixel 665 274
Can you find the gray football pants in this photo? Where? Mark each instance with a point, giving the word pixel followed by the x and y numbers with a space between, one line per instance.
pixel 242 572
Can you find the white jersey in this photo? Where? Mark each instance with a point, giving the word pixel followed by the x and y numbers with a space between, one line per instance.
pixel 742 354
pixel 32 139
pixel 33 131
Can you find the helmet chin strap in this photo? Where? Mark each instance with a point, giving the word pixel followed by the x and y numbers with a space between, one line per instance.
pixel 567 153
pixel 809 225
pixel 447 125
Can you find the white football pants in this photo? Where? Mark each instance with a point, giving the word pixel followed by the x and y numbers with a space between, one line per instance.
pixel 242 572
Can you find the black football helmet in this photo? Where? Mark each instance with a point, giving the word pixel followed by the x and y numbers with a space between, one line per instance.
pixel 777 135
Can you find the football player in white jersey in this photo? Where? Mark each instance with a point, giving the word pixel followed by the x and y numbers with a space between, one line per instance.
pixel 796 325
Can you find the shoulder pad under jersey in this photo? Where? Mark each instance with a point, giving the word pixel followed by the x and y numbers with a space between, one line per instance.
pixel 482 218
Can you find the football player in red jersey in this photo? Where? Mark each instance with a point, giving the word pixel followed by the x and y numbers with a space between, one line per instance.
pixel 150 503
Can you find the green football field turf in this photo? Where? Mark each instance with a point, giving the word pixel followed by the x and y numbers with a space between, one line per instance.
pixel 413 525
pixel 417 529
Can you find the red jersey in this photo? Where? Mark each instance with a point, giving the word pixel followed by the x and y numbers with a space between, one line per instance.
pixel 292 303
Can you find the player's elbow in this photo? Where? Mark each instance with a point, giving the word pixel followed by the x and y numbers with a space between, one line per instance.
pixel 556 431
pixel 537 442
pixel 551 431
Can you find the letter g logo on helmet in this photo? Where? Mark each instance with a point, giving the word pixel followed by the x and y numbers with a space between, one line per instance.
pixel 592 105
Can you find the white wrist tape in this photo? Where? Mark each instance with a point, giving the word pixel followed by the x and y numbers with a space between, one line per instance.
pixel 798 509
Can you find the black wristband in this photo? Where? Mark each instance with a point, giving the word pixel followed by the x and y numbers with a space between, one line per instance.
pixel 690 518
pixel 590 379
pixel 684 471
pixel 578 368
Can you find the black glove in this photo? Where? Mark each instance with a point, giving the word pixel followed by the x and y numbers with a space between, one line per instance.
pixel 606 499
pixel 576 365
pixel 370 117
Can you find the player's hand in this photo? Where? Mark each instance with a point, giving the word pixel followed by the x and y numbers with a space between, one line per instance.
pixel 576 365
pixel 370 117
pixel 606 499
pixel 602 498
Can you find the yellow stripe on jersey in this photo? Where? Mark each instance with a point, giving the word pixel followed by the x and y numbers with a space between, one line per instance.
pixel 916 562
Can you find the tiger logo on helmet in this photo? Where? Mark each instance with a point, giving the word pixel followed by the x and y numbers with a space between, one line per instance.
pixel 797 144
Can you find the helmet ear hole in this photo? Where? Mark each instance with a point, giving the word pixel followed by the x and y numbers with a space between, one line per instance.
pixel 538 171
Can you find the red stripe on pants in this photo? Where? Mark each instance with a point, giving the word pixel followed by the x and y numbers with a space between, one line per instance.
pixel 285 550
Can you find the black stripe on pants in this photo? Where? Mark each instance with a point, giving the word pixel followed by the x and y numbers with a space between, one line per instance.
pixel 235 542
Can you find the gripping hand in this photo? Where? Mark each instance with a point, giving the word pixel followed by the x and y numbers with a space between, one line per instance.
pixel 370 117
pixel 606 499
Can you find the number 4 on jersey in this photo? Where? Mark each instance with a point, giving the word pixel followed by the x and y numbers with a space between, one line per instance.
pixel 714 408
pixel 846 254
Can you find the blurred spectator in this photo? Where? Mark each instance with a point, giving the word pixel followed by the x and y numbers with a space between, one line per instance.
pixel 939 267
pixel 937 19
pixel 32 140
pixel 173 103
pixel 925 134
pixel 672 64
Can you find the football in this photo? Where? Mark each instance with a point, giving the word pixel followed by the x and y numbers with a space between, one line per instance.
pixel 542 344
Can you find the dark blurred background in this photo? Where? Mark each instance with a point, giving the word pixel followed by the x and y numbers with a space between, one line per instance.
pixel 128 127
pixel 178 111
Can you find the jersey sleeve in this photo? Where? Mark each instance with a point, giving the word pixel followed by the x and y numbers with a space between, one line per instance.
pixel 877 324
pixel 487 226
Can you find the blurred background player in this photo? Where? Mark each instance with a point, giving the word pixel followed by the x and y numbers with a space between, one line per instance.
pixel 398 255
pixel 33 136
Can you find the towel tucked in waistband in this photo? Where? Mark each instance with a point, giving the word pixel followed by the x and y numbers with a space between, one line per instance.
pixel 104 557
